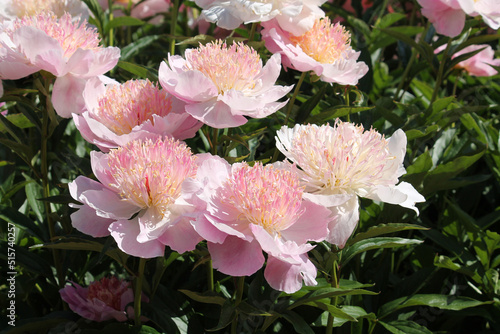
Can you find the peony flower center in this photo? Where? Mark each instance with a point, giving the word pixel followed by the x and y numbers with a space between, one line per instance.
pixel 108 290
pixel 150 173
pixel 70 35
pixel 265 196
pixel 136 101
pixel 236 67
pixel 343 158
pixel 325 42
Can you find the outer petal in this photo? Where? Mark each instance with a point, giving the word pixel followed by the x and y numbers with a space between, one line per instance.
pixel 181 237
pixel 403 194
pixel 125 233
pixel 236 257
pixel 311 225
pixel 346 219
pixel 283 276
pixel 189 86
pixel 87 221
pixel 67 95
pixel 216 114
pixel 89 63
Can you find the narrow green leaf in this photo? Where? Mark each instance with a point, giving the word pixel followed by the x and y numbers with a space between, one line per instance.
pixel 404 327
pixel 443 302
pixel 209 298
pixel 442 261
pixel 137 46
pixel 326 293
pixel 376 243
pixel 138 70
pixel 122 21
pixel 382 229
pixel 299 324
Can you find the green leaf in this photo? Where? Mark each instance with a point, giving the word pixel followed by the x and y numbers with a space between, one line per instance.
pixel 443 302
pixel 326 293
pixel 333 310
pixel 402 34
pixel 333 113
pixel 122 21
pixel 227 315
pixel 33 192
pixel 307 107
pixel 137 46
pixel 385 229
pixel 376 243
pixel 299 324
pixel 404 327
pixel 22 222
pixel 442 261
pixel 139 70
pixel 208 297
pixel 412 134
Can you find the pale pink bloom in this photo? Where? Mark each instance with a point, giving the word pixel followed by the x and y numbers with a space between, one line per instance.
pixel 488 9
pixel 254 209
pixel 138 199
pixel 68 49
pixel 479 64
pixel 294 16
pixel 221 85
pixel 116 114
pixel 102 300
pixel 11 9
pixel 341 163
pixel 325 49
pixel 447 16
pixel 140 9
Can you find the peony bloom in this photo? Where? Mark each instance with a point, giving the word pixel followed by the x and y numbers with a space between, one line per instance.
pixel 138 199
pixel 116 114
pixel 488 9
pixel 255 209
pixel 221 84
pixel 479 64
pixel 447 16
pixel 102 300
pixel 325 50
pixel 341 163
pixel 140 9
pixel 11 9
pixel 65 47
pixel 294 16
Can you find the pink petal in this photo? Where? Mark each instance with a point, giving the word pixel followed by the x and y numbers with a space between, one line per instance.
pixel 67 95
pixel 346 219
pixel 125 233
pixel 236 257
pixel 311 225
pixel 87 221
pixel 216 114
pixel 283 276
pixel 181 237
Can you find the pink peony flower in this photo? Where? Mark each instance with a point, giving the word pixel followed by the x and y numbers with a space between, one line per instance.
pixel 255 209
pixel 325 50
pixel 341 163
pixel 221 84
pixel 140 9
pixel 102 300
pixel 68 49
pixel 294 16
pixel 12 9
pixel 447 16
pixel 139 197
pixel 479 64
pixel 488 9
pixel 117 114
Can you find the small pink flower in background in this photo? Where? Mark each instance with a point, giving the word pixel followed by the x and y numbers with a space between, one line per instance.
pixel 11 9
pixel 140 9
pixel 221 85
pixel 295 16
pixel 143 180
pixel 116 114
pixel 479 64
pixel 488 9
pixel 254 209
pixel 447 16
pixel 325 50
pixel 341 163
pixel 65 47
pixel 102 300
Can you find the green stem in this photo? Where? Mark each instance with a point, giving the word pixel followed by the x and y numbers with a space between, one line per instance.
pixel 44 171
pixel 173 24
pixel 110 18
pixel 210 276
pixel 252 32
pixel 405 73
pixel 294 96
pixel 239 296
pixel 439 77
pixel 214 141
pixel 335 284
pixel 348 102
pixel 138 292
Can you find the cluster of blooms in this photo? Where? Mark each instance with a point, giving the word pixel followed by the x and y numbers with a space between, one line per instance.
pixel 152 191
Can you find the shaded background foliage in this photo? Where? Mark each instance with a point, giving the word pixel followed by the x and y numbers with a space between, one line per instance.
pixel 400 273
